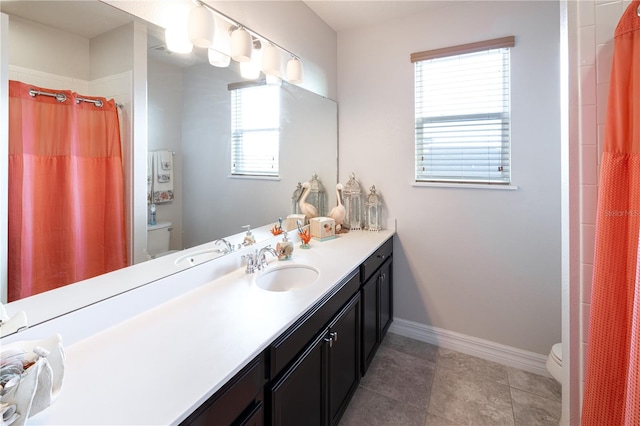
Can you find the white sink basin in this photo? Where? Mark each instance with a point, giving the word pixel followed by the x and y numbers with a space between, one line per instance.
pixel 287 277
pixel 197 257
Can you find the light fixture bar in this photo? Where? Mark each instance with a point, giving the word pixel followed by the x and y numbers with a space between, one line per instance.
pixel 239 25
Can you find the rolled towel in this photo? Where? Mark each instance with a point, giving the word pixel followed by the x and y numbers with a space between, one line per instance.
pixel 40 383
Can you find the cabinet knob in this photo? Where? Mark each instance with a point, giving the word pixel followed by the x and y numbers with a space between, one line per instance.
pixel 334 336
pixel 381 256
pixel 329 340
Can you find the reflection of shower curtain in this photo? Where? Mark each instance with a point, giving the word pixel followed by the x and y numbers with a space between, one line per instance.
pixel 66 199
pixel 612 387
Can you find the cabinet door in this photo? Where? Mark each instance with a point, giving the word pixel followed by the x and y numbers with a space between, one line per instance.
pixel 235 401
pixel 369 320
pixel 254 418
pixel 385 297
pixel 344 358
pixel 299 397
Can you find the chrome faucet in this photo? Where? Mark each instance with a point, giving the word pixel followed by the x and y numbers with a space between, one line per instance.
pixel 262 258
pixel 258 259
pixel 252 261
pixel 228 246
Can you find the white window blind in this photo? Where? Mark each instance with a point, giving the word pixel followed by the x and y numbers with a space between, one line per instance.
pixel 255 130
pixel 462 113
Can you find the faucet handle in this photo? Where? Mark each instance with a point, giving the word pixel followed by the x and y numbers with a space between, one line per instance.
pixel 251 259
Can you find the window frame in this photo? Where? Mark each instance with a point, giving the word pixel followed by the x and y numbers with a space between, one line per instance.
pixel 238 132
pixel 501 122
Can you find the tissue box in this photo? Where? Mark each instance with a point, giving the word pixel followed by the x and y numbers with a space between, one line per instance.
pixel 323 228
pixel 290 223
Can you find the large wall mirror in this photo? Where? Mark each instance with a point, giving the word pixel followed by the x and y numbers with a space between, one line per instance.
pixel 89 47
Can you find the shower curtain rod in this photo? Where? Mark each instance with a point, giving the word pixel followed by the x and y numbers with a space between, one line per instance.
pixel 61 97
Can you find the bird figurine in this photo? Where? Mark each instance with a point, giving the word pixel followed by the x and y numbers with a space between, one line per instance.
pixel 307 209
pixel 338 212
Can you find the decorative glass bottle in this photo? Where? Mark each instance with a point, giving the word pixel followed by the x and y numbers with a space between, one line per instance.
pixel 373 210
pixel 317 195
pixel 352 195
pixel 295 208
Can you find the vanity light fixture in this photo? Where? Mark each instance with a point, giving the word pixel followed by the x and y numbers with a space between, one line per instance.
pixel 295 72
pixel 251 70
pixel 271 61
pixel 218 59
pixel 241 45
pixel 244 42
pixel 202 26
pixel 177 40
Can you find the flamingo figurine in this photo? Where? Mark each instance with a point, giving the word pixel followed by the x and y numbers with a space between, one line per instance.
pixel 307 209
pixel 338 212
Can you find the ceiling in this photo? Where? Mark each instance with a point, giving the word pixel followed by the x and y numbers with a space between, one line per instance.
pixel 338 14
pixel 346 14
pixel 62 15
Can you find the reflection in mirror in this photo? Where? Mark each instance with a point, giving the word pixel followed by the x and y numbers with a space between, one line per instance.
pixel 189 114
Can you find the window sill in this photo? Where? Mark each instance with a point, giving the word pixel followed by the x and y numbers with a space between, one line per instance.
pixel 465 185
pixel 254 177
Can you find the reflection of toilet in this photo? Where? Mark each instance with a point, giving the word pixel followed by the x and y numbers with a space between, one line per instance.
pixel 158 239
pixel 554 362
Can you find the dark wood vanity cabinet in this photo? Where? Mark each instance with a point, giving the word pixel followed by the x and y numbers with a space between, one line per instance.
pixel 240 402
pixel 308 375
pixel 317 384
pixel 377 300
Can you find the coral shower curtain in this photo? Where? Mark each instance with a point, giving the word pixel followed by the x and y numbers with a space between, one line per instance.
pixel 66 199
pixel 612 393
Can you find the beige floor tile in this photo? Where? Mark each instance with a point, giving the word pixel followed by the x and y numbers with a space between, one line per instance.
pixel 369 408
pixel 400 376
pixel 547 387
pixel 530 409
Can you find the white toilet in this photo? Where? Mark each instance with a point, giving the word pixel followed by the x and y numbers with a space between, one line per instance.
pixel 554 362
pixel 158 239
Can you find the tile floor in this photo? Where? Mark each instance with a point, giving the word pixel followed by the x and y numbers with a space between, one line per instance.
pixel 414 383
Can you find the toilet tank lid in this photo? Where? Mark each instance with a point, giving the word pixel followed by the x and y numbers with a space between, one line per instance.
pixel 158 225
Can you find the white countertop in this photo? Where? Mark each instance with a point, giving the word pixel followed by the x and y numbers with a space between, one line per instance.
pixel 159 365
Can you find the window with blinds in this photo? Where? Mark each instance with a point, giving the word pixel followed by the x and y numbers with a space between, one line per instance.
pixel 255 130
pixel 462 113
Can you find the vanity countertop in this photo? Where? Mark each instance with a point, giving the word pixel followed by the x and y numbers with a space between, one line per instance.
pixel 161 364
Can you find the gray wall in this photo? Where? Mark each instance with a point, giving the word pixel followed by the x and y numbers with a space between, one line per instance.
pixel 484 263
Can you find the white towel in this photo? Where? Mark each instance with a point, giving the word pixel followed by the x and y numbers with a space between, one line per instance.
pixel 149 176
pixel 41 383
pixel 163 176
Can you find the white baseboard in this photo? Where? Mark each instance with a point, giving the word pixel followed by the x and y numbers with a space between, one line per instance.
pixel 485 349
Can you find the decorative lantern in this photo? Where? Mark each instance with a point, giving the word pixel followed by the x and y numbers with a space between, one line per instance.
pixel 373 210
pixel 295 198
pixel 353 204
pixel 317 195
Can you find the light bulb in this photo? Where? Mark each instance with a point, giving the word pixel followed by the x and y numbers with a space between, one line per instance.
pixel 241 45
pixel 177 40
pixel 295 72
pixel 218 59
pixel 272 61
pixel 251 70
pixel 202 26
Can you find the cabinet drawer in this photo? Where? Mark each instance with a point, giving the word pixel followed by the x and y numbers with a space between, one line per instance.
pixel 292 341
pixel 374 261
pixel 243 392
